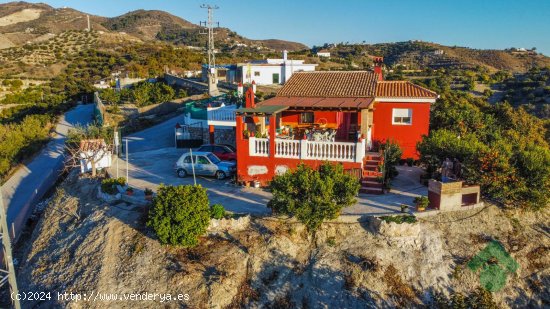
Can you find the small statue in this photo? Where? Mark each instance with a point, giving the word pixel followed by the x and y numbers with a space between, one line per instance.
pixel 446 170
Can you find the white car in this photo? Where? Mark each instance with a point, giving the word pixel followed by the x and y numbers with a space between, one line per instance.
pixel 206 164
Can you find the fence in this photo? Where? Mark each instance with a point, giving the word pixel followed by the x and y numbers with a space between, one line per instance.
pixel 258 147
pixel 309 150
pixel 221 114
pixel 99 110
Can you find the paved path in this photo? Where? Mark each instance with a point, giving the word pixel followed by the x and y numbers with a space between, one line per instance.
pixel 156 137
pixel 32 181
pixel 148 169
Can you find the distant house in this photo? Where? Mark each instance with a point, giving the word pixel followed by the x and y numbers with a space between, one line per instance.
pixel 323 53
pixel 262 72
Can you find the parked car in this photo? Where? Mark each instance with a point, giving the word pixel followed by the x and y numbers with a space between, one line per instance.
pixel 204 163
pixel 224 152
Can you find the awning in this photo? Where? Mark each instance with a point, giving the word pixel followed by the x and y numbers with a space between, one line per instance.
pixel 261 110
pixel 318 103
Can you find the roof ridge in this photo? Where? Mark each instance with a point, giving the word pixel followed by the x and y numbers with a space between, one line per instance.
pixel 418 86
pixel 310 72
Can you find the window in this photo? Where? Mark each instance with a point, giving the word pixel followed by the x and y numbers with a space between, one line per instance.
pixel 188 159
pixel 206 148
pixel 213 158
pixel 220 149
pixel 402 116
pixel 202 160
pixel 275 78
pixel 306 117
pixel 256 73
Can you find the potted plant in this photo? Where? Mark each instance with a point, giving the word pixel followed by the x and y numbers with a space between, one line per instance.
pixel 404 208
pixel 256 183
pixel 421 202
pixel 130 191
pixel 148 194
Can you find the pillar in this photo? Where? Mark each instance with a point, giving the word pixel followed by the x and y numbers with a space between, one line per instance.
pixel 211 134
pixel 357 118
pixel 272 131
pixel 239 127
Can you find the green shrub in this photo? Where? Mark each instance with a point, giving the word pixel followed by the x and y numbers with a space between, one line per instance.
pixel 421 202
pixel 398 219
pixel 313 196
pixel 109 185
pixel 217 211
pixel 179 214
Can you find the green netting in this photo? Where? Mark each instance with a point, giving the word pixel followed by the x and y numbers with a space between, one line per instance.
pixel 495 264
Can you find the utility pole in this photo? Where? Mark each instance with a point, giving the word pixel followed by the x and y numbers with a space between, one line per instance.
pixel 209 26
pixel 9 272
pixel 127 177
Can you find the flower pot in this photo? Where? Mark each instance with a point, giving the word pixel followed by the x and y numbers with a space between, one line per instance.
pixel 256 184
pixel 420 209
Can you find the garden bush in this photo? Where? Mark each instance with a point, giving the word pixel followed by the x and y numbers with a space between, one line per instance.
pixel 313 196
pixel 109 185
pixel 179 214
pixel 217 211
pixel 503 149
pixel 399 219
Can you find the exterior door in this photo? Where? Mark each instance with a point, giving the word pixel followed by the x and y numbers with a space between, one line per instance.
pixel 275 78
pixel 201 166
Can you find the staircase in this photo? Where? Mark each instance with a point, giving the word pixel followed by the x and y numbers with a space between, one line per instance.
pixel 369 183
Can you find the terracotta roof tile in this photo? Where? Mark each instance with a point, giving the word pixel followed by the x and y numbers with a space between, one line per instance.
pixel 402 89
pixel 92 144
pixel 328 84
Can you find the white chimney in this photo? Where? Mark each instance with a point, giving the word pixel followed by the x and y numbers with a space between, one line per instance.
pixel 285 54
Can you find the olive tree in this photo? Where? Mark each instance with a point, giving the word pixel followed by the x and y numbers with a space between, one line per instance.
pixel 313 196
pixel 180 214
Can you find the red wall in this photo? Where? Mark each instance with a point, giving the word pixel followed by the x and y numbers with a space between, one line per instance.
pixel 244 161
pixel 406 135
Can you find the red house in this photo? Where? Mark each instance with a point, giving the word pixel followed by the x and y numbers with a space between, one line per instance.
pixel 334 116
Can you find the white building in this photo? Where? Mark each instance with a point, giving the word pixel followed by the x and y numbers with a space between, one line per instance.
pixel 262 72
pixel 94 153
pixel 323 53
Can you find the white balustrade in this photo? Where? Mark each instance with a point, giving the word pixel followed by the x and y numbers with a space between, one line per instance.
pixel 258 146
pixel 221 115
pixel 332 151
pixel 285 148
pixel 309 150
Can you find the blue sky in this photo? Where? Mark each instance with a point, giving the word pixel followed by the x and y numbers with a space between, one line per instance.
pixel 474 23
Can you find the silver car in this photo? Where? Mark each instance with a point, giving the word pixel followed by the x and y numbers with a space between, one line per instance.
pixel 205 163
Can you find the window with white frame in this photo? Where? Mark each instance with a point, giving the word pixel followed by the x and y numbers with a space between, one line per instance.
pixel 402 116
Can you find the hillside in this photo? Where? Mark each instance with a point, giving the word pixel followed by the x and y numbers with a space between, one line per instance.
pixel 82 244
pixel 419 55
pixel 22 22
pixel 160 25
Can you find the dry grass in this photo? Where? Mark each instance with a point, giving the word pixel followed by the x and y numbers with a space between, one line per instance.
pixel 398 288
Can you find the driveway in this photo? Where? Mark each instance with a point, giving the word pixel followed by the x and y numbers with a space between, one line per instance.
pixel 156 137
pixel 30 182
pixel 148 169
